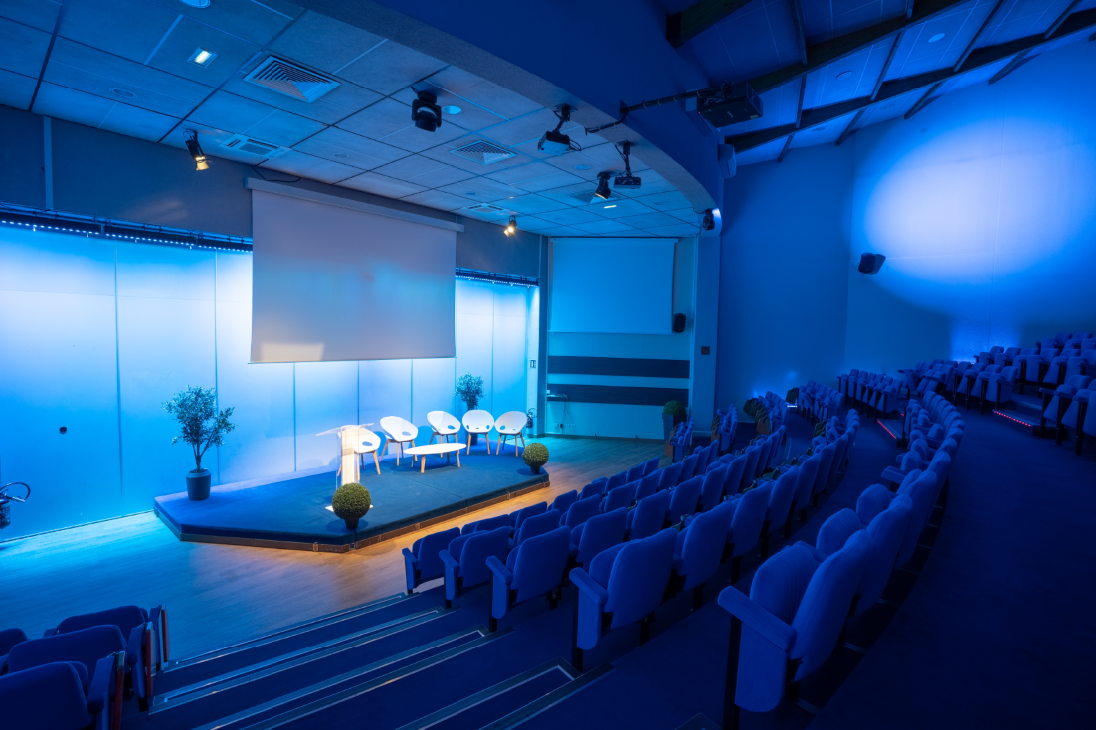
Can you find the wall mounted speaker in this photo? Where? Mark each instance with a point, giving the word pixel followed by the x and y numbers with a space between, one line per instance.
pixel 870 263
pixel 679 323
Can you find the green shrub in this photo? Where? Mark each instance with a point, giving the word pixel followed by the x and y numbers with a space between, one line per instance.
pixel 351 501
pixel 674 408
pixel 469 389
pixel 535 454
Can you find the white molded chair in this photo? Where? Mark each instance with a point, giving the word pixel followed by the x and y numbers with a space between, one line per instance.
pixel 367 442
pixel 510 424
pixel 444 425
pixel 478 422
pixel 400 431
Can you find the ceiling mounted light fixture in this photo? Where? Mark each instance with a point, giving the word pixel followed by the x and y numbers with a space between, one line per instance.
pixel 195 150
pixel 603 190
pixel 937 37
pixel 196 3
pixel 627 180
pixel 844 75
pixel 124 93
pixel 425 112
pixel 451 109
pixel 202 57
pixel 511 227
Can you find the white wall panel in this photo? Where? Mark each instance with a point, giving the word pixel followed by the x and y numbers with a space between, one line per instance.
pixel 475 305
pixel 326 398
pixel 385 390
pixel 45 261
pixel 432 390
pixel 509 366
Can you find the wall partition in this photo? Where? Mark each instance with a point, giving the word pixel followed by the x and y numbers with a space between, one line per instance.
pixel 97 334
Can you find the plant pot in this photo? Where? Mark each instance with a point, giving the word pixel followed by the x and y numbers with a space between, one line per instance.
pixel 535 468
pixel 667 426
pixel 352 524
pixel 197 485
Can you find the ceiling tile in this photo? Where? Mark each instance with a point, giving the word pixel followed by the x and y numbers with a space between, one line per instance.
pixel 562 232
pixel 380 120
pixel 186 38
pixel 568 162
pixel 532 223
pixel 650 220
pixel 359 151
pixel 131 29
pixel 424 171
pixel 470 116
pixel 523 173
pixel 530 204
pixel 687 215
pixel 390 67
pixel 35 13
pixel 331 108
pixel 482 190
pixel 563 195
pixel 70 104
pixel 413 139
pixel 438 200
pixel 604 226
pixel 569 216
pixel 389 187
pixel 23 49
pixel 16 90
pixel 548 182
pixel 490 96
pixel 283 128
pixel 606 157
pixel 667 201
pixel 254 21
pixel 324 43
pixel 302 165
pixel 228 111
pixel 523 129
pixel 619 208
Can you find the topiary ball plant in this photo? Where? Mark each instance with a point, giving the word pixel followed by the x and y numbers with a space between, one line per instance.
pixel 350 503
pixel 536 456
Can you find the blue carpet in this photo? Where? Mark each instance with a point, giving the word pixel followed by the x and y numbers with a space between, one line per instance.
pixel 293 509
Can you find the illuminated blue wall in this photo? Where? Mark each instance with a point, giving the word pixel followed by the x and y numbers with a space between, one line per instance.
pixel 97 335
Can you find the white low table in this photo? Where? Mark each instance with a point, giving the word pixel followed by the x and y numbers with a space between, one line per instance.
pixel 435 449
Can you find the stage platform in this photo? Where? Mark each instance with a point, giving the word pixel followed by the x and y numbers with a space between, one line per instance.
pixel 290 511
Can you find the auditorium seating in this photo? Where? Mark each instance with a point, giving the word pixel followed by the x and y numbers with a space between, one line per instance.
pixel 649 516
pixel 534 568
pixel 52 695
pixel 698 550
pixel 597 534
pixel 465 560
pixel 536 525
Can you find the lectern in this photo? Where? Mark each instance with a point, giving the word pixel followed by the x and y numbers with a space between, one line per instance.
pixel 349 437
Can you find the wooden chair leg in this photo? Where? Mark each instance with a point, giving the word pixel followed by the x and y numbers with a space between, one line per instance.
pixel 377 463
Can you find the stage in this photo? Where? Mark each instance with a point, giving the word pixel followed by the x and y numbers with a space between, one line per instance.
pixel 289 511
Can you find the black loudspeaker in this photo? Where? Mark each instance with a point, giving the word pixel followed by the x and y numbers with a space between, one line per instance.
pixel 870 263
pixel 679 323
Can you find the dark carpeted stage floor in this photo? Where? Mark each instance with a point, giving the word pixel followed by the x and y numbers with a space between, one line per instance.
pixel 290 511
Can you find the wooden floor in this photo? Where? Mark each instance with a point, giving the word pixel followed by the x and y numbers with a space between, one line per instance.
pixel 216 594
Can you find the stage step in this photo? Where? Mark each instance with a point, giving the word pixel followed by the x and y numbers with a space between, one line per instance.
pixel 1028 424
pixel 313 632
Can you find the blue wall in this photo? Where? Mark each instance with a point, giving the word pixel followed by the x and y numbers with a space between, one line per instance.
pixel 98 334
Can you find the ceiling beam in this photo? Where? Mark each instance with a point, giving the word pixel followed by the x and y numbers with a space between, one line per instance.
pixel 974 40
pixel 49 52
pixel 692 21
pixel 920 103
pixel 1015 63
pixel 800 28
pixel 799 109
pixel 887 63
pixel 787 146
pixel 979 58
pixel 1062 18
pixel 851 128
pixel 824 53
pixel 909 9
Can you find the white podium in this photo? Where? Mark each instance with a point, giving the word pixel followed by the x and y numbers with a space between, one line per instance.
pixel 349 437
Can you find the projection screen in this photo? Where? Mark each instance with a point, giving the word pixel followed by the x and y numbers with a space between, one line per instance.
pixel 618 285
pixel 331 283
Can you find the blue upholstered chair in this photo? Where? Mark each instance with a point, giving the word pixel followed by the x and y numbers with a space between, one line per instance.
pixel 465 560
pixel 804 486
pixel 519 516
pixel 486 525
pixel 97 654
pixel 596 534
pixel 626 582
pixel 886 531
pixel 735 468
pixel 649 516
pixel 920 490
pixel 421 562
pixel 698 550
pixel 620 497
pixel 615 481
pixel 780 506
pixel 688 468
pixel 598 486
pixel 8 639
pixel 53 696
pixel 581 511
pixel 703 458
pixel 824 467
pixel 636 472
pixel 746 524
pixel 651 465
pixel 648 485
pixel 536 525
pixel 669 475
pixel 683 499
pixel 788 625
pixel 711 490
pixel 762 465
pixel 535 568
pixel 564 501
pixel 749 470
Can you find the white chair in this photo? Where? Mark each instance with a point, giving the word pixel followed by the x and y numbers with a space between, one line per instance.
pixel 367 442
pixel 444 425
pixel 400 431
pixel 510 424
pixel 478 422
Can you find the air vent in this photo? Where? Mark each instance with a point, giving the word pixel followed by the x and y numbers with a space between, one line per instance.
pixel 291 80
pixel 243 143
pixel 485 209
pixel 484 153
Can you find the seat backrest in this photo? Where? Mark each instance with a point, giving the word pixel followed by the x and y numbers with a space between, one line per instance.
pixel 47 696
pixel 780 501
pixel 399 429
pixel 836 530
pixel 638 580
pixel 701 545
pixel 426 551
pixel 491 523
pixel 443 422
pixel 753 454
pixel 616 480
pixel 688 468
pixel 510 422
pixel 537 525
pixel 920 491
pixel 826 603
pixel 711 491
pixel 565 500
pixel 749 516
pixel 872 501
pixel 598 486
pixel 622 496
pixel 636 472
pixel 735 469
pixel 808 474
pixel 651 465
pixel 126 618
pixel 669 475
pixel 473 556
pixel 824 468
pixel 86 646
pixel 582 510
pixel 649 515
pixel 477 421
pixel 684 498
pixel 781 582
pixel 763 457
pixel 599 533
pixel 648 485
pixel 886 532
pixel 517 518
pixel 538 563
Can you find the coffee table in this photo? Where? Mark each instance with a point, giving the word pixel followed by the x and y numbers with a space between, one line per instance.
pixel 435 449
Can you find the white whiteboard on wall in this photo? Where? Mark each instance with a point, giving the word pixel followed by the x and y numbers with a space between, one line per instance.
pixel 617 285
pixel 333 283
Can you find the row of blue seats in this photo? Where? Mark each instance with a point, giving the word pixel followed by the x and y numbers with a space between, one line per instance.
pixel 877 392
pixel 818 402
pixel 80 672
pixel 681 438
pixel 801 598
pixel 776 408
pixel 726 427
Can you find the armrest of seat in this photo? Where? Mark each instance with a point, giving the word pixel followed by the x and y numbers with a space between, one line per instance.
pixel 892 474
pixel 50 632
pixel 588 587
pixel 501 571
pixel 99 686
pixel 411 567
pixel 449 561
pixel 133 644
pixel 1046 392
pixel 743 608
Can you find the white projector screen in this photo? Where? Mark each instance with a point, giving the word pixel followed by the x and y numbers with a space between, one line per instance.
pixel 332 283
pixel 623 285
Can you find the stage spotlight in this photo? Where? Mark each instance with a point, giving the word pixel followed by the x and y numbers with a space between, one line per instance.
pixel 425 111
pixel 195 150
pixel 511 227
pixel 603 191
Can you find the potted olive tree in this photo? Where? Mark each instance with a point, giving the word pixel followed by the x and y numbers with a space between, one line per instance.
pixel 202 427
pixel 470 390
